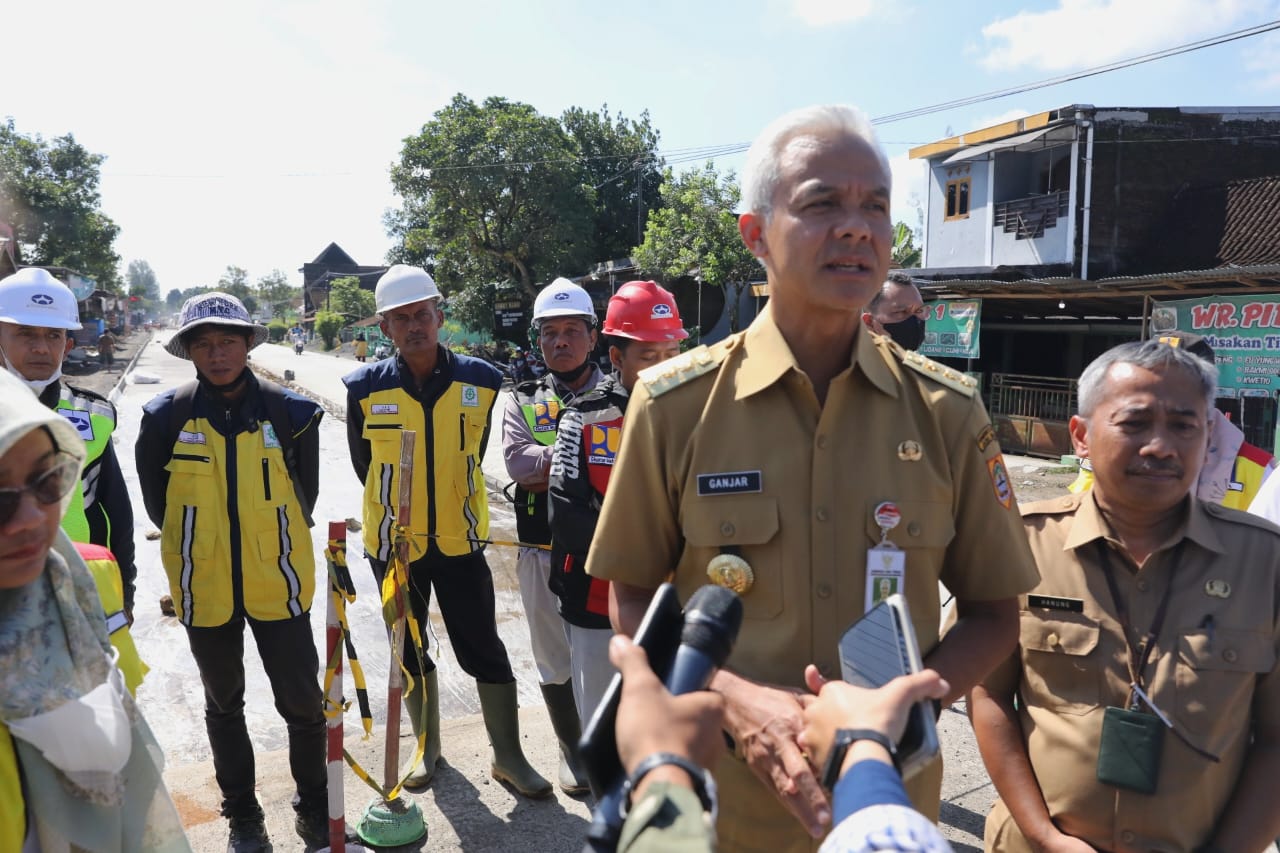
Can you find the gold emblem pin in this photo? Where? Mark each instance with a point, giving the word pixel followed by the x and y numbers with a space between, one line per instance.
pixel 909 451
pixel 1218 588
pixel 731 572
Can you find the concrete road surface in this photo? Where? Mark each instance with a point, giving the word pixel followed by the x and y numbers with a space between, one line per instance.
pixel 465 809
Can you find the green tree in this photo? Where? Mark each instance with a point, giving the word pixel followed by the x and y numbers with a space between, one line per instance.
pixel 346 297
pixel 49 196
pixel 905 252
pixel 619 157
pixel 328 324
pixel 473 308
pixel 275 293
pixel 695 233
pixel 492 191
pixel 173 300
pixel 235 280
pixel 142 282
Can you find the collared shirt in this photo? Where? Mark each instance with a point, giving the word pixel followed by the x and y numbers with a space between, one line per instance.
pixel 743 458
pixel 1212 671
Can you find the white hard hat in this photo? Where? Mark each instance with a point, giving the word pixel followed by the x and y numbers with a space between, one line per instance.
pixel 403 285
pixel 32 297
pixel 212 309
pixel 563 298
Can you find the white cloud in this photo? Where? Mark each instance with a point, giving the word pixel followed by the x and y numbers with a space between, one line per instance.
pixel 1082 33
pixel 819 13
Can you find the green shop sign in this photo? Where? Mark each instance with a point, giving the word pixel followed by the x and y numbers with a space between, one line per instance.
pixel 951 329
pixel 1244 332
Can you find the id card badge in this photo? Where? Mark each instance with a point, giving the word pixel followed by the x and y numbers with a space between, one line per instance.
pixel 886 573
pixel 1129 750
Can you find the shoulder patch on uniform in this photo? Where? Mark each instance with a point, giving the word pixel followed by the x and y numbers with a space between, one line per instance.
pixel 1239 516
pixel 1052 506
pixel 675 372
pixel 940 373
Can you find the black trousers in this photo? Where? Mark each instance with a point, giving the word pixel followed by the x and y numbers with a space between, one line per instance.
pixel 291 663
pixel 464 588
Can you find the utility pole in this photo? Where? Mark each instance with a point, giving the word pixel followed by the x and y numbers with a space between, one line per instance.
pixel 639 203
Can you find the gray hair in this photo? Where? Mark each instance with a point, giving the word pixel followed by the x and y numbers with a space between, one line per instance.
pixel 760 174
pixel 897 278
pixel 1150 355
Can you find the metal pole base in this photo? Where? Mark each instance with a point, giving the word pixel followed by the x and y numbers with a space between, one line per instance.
pixel 391 823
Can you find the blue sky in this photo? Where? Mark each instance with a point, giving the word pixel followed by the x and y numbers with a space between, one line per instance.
pixel 258 132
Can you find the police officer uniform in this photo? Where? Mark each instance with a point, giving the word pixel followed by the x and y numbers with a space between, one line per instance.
pixel 101 511
pixel 1213 670
pixel 728 451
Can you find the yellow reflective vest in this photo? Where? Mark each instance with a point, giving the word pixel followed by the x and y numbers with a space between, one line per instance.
pixel 106 576
pixel 450 510
pixel 233 527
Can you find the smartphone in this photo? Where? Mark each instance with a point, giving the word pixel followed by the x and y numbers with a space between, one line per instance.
pixel 659 636
pixel 878 648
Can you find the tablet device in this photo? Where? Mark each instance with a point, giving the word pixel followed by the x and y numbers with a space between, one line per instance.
pixel 878 648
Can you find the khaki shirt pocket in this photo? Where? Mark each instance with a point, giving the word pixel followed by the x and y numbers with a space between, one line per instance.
pixel 1062 670
pixel 926 525
pixel 750 525
pixel 1215 678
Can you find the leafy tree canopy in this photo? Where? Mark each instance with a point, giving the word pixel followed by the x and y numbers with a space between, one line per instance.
pixel 695 233
pixel 49 196
pixel 142 281
pixel 905 252
pixel 495 191
pixel 276 294
pixel 348 298
pixel 235 280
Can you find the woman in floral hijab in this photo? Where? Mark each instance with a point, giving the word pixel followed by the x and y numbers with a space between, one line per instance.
pixel 79 768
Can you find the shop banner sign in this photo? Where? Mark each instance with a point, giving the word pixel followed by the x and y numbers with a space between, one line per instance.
pixel 951 328
pixel 1244 332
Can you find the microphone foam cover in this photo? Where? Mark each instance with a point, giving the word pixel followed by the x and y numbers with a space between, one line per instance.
pixel 711 622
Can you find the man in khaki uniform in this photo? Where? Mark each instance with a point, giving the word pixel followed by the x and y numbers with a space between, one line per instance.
pixel 786 452
pixel 1186 760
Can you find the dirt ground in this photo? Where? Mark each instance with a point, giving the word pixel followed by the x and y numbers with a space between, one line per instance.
pixel 100 381
pixel 1037 484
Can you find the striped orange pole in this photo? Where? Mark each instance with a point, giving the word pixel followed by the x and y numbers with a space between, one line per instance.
pixel 333 644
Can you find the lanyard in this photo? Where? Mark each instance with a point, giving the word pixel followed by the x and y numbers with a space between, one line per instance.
pixel 1137 660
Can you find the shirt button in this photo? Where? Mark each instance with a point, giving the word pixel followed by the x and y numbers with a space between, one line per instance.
pixel 1052 639
pixel 727 529
pixel 1142 585
pixel 1229 655
pixel 822 513
pixel 913 529
pixel 1127 836
pixel 822 442
pixel 824 590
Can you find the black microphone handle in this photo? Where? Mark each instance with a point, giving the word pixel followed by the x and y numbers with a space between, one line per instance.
pixel 691 670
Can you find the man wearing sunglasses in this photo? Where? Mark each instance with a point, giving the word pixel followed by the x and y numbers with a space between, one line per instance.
pixel 36 313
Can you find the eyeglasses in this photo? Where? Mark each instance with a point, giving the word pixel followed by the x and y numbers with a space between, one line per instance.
pixel 49 487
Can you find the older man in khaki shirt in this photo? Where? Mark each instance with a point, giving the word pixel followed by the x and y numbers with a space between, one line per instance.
pixel 1158 613
pixel 779 457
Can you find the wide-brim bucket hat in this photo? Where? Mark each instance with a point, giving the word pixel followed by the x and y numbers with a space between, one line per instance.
pixel 212 309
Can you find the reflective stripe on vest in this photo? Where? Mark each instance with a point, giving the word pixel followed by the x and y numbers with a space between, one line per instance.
pixel 277 563
pixel 94 420
pixel 106 577
pixel 449 498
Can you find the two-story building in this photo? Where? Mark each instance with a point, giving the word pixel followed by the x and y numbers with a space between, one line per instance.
pixel 1073 225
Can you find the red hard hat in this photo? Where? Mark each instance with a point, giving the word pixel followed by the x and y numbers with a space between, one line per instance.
pixel 643 311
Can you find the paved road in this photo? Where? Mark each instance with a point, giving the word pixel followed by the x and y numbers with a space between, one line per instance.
pixel 464 809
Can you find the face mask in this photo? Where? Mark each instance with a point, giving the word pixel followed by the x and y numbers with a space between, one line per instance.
pixel 572 375
pixel 908 333
pixel 36 385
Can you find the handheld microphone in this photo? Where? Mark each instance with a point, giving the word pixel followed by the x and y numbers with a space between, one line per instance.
pixel 710 627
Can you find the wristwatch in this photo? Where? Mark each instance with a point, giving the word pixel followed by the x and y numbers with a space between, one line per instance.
pixel 844 739
pixel 704 785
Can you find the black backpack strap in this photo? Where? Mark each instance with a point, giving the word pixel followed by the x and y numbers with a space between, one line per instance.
pixel 273 400
pixel 183 401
